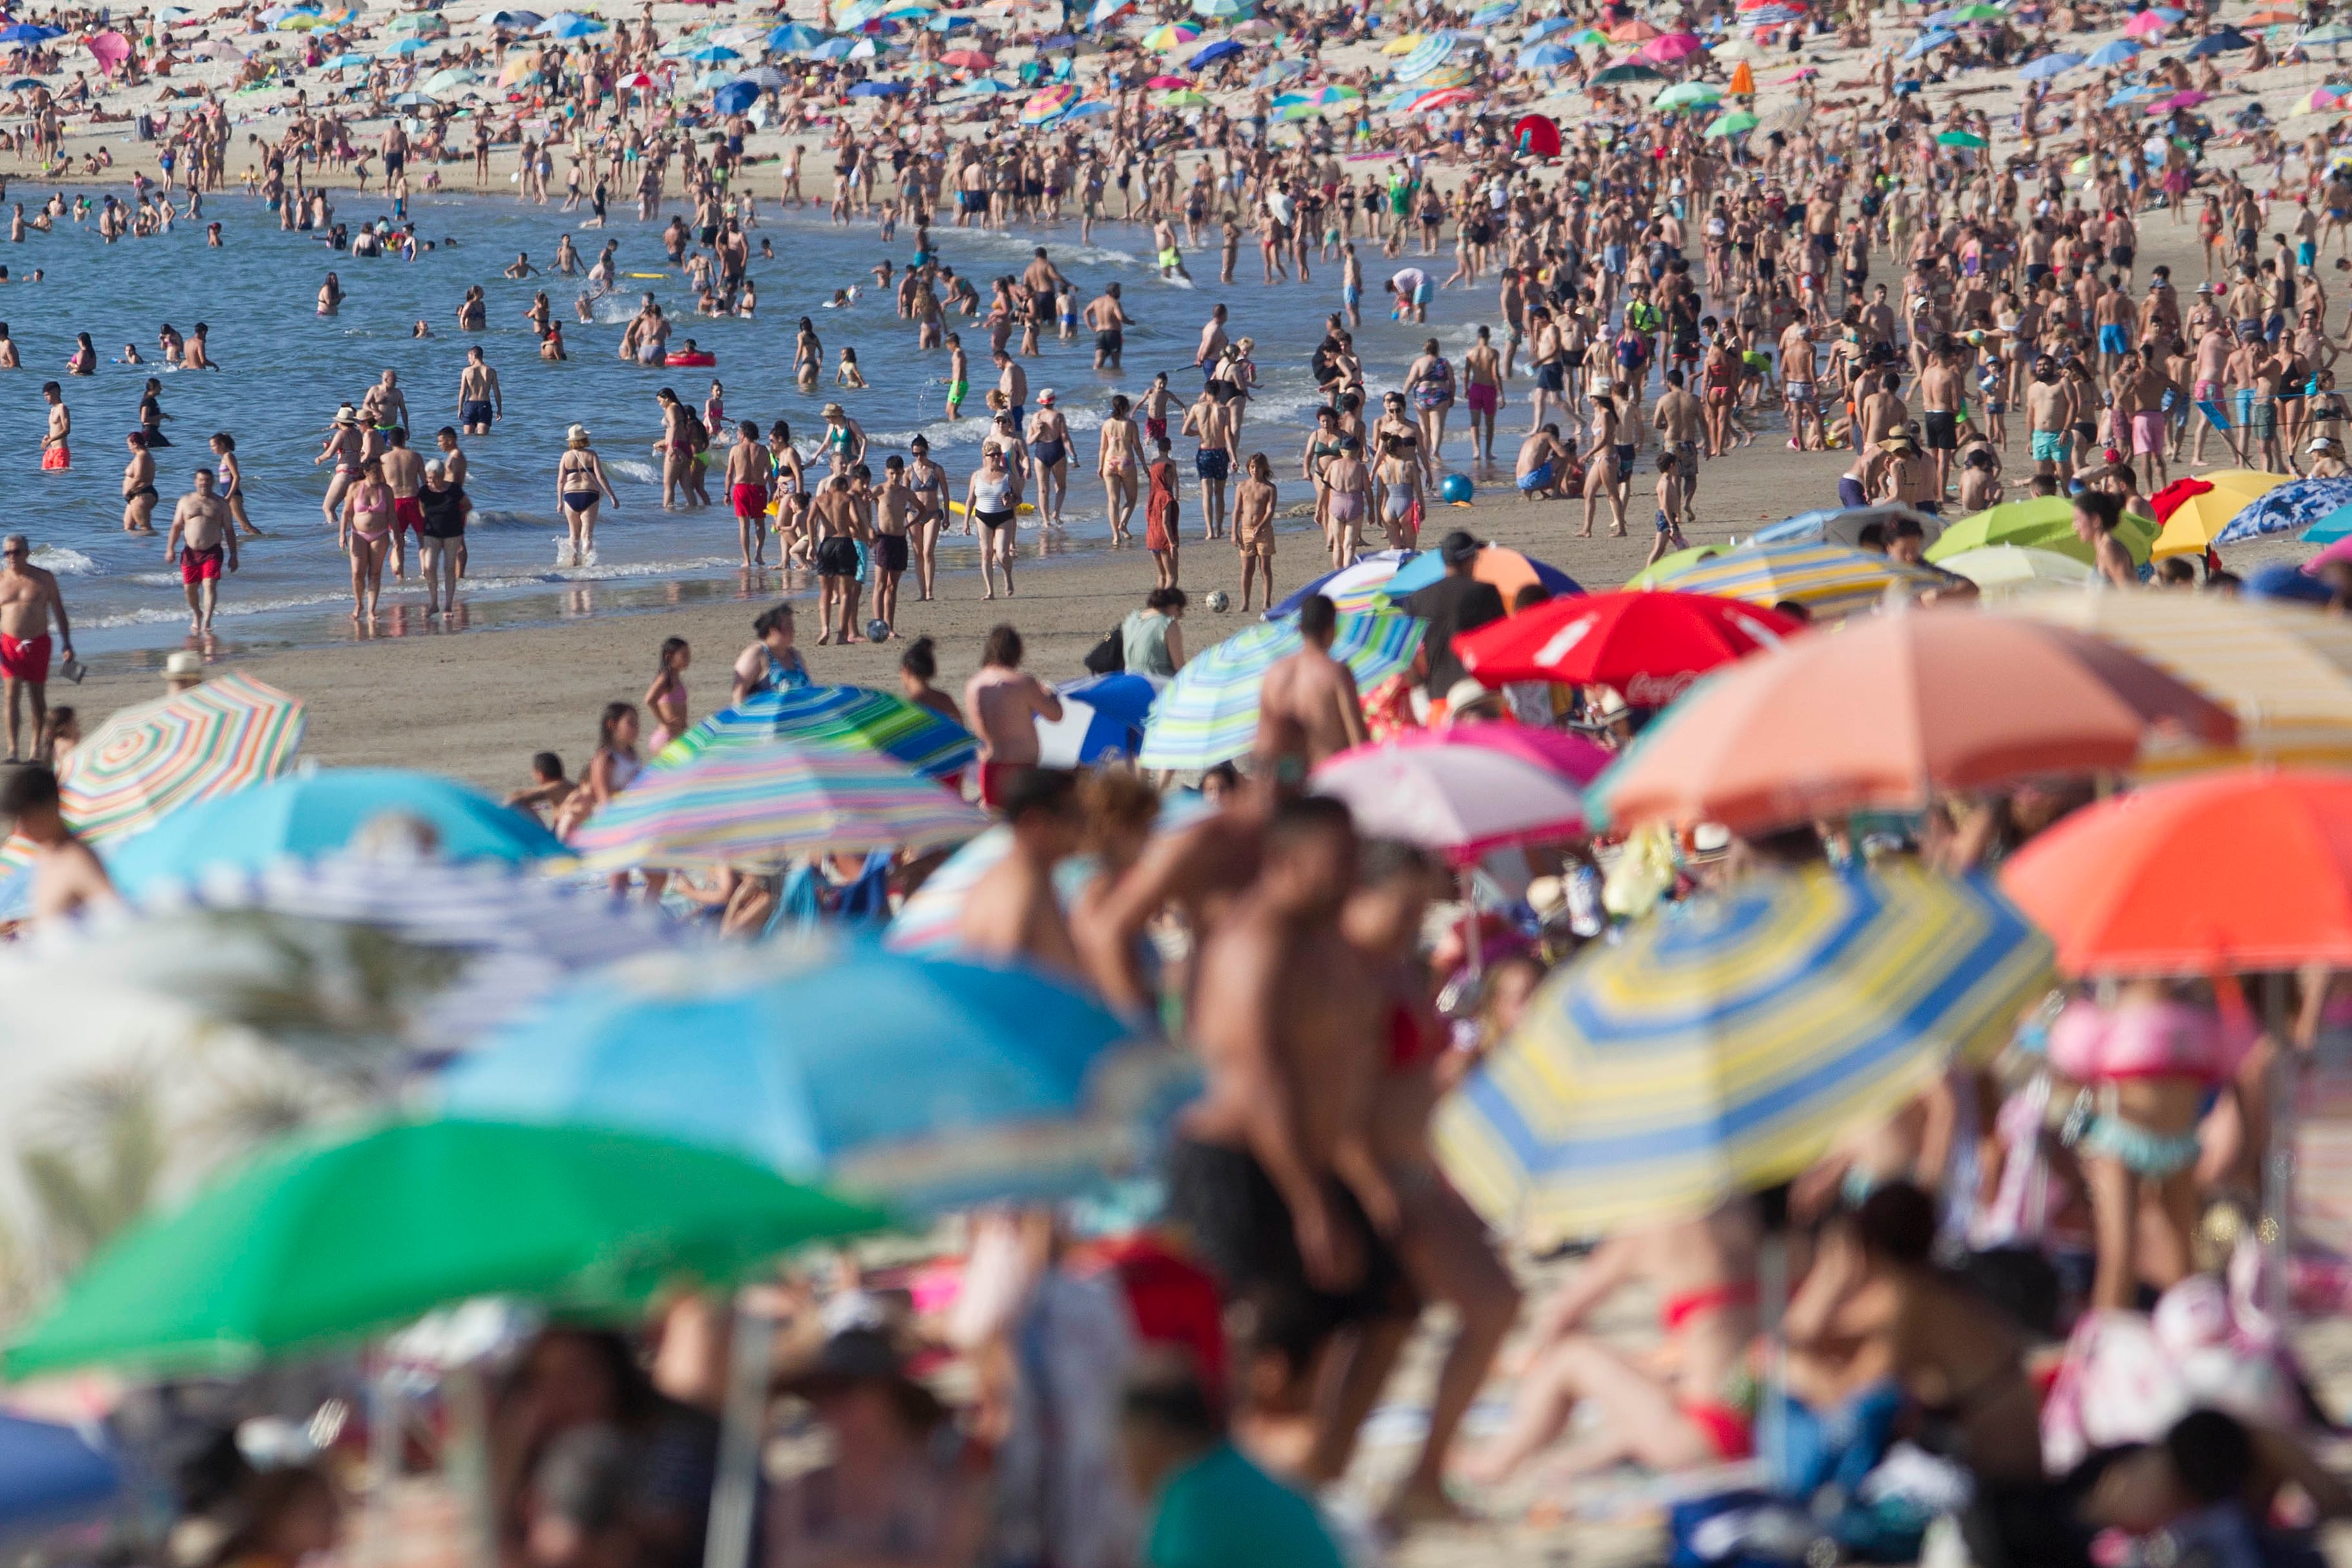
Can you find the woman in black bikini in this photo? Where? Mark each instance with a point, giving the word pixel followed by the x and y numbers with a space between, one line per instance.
pixel 580 486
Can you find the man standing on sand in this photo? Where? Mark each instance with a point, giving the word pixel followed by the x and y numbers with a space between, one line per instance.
pixel 1003 706
pixel 1312 694
pixel 56 455
pixel 200 536
pixel 1013 914
pixel 66 877
pixel 404 470
pixel 1681 419
pixel 28 598
pixel 479 400
pixel 1209 421
pixel 838 523
pixel 1109 321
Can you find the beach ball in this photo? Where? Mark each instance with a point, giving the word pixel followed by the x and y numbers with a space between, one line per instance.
pixel 877 630
pixel 1220 600
pixel 1456 489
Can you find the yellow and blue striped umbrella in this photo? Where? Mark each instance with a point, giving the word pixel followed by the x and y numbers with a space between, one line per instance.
pixel 758 805
pixel 1829 580
pixel 1726 1042
pixel 1208 714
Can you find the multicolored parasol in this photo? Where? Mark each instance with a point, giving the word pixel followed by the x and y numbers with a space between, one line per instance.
pixel 1208 714
pixel 850 717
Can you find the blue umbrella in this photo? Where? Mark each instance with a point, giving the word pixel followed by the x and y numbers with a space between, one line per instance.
pixel 2131 95
pixel 833 49
pixel 2118 53
pixel 932 1081
pixel 2226 41
pixel 2049 66
pixel 344 62
pixel 25 84
pixel 1928 42
pixel 1210 54
pixel 712 52
pixel 410 45
pixel 1428 567
pixel 944 23
pixel 317 813
pixel 735 98
pixel 49 1475
pixel 520 21
pixel 1495 14
pixel 794 36
pixel 569 25
pixel 1102 716
pixel 25 33
pixel 2334 525
pixel 1544 56
pixel 2294 505
pixel 878 90
pixel 2285 580
pixel 416 100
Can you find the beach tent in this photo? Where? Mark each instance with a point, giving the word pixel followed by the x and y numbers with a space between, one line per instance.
pixel 1537 135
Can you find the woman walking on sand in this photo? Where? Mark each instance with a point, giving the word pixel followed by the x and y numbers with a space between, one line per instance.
pixel 580 486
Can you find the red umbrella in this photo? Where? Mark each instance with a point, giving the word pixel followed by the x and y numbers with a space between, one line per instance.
pixel 2224 874
pixel 1537 135
pixel 1648 646
pixel 967 60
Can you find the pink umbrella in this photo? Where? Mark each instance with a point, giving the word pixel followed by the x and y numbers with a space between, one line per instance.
pixel 2147 25
pixel 1451 796
pixel 1572 757
pixel 2340 550
pixel 112 48
pixel 1157 83
pixel 2179 100
pixel 1669 47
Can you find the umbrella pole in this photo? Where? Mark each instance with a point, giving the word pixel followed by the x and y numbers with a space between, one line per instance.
pixel 1772 1294
pixel 734 1495
pixel 2276 1227
pixel 1474 967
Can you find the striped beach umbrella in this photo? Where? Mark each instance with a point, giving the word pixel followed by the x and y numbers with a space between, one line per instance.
pixel 757 806
pixel 1726 1043
pixel 149 760
pixel 1350 588
pixel 848 717
pixel 1208 714
pixel 1828 579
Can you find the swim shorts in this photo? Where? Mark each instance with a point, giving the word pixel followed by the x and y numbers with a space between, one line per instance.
pixel 959 391
pixel 1942 431
pixel 2049 446
pixel 408 512
pixel 475 411
pixel 200 564
pixel 1482 397
pixel 750 500
pixel 836 557
pixel 2147 432
pixel 56 457
pixel 2113 339
pixel 1538 479
pixel 1108 341
pixel 1212 463
pixel 24 658
pixel 890 552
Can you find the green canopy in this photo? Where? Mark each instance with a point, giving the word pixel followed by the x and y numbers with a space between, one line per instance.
pixel 315 1243
pixel 2043 522
pixel 1665 566
pixel 1738 122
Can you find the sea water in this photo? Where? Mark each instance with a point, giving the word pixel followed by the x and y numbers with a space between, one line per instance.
pixel 285 369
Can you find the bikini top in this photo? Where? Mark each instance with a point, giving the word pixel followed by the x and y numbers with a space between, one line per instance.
pixel 2140 1038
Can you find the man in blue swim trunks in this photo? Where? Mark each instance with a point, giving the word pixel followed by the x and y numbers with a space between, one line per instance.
pixel 1543 464
pixel 1413 291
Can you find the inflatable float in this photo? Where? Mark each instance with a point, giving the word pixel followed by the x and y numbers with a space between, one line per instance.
pixel 696 357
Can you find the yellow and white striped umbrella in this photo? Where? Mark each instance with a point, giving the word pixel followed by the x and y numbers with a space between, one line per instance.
pixel 2283 669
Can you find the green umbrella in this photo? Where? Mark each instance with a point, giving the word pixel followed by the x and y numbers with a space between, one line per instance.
pixel 1685 93
pixel 1738 122
pixel 1615 74
pixel 1961 139
pixel 1975 14
pixel 2040 522
pixel 317 1243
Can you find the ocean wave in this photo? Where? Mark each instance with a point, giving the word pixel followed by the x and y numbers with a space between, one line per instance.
pixel 631 469
pixel 602 571
pixel 63 561
pixel 161 615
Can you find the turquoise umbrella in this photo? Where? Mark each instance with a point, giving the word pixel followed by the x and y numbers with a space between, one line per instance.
pixel 1208 714
pixel 936 1082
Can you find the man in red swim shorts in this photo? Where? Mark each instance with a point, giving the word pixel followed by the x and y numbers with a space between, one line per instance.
pixel 28 598
pixel 403 470
pixel 203 538
pixel 747 487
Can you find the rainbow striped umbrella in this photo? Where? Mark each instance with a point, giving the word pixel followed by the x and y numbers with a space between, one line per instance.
pixel 756 806
pixel 150 760
pixel 1208 714
pixel 849 718
pixel 1829 580
pixel 1726 1042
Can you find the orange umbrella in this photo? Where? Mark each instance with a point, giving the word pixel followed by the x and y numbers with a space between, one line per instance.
pixel 2226 873
pixel 1743 80
pixel 1634 31
pixel 1882 715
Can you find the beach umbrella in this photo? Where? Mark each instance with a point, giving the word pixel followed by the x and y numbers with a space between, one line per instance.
pixel 516 21
pixel 1258 29
pixel 1543 56
pixel 1635 31
pixel 1442 99
pixel 1108 10
pixel 2049 66
pixel 25 33
pixel 1961 139
pixel 2197 511
pixel 2042 522
pixel 932 1081
pixel 51 1475
pixel 734 97
pixel 709 53
pixel 1588 39
pixel 968 60
pixel 1087 109
pixel 1171 36
pixel 1457 800
pixel 1102 718
pixel 759 805
pixel 348 62
pixel 1727 1042
pixel 318 813
pixel 846 718
pixel 1507 569
pixel 2327 531
pixel 2246 870
pixel 1224 10
pixel 1614 74
pixel 2147 25
pixel 1684 94
pixel 795 38
pixel 878 90
pixel 1538 31
pixel 2179 100
pixel 2283 509
pixel 300 22
pixel 320 1242
pixel 1351 588
pixel 2227 40
pixel 2001 569
pixel 155 758
pixel 1648 646
pixel 1495 14
pixel 2332 34
pixel 1164 83
pixel 1788 119
pixel 1928 42
pixel 764 78
pixel 2283 580
pixel 2118 53
pixel 1186 99
pixel 1892 711
pixel 833 49
pixel 1843 525
pixel 1738 122
pixel 444 80
pixel 411 45
pixel 1537 135
pixel 1743 80
pixel 1211 52
pixel 1208 714
pixel 1048 104
pixel 2285 670
pixel 420 22
pixel 1670 563
pixel 1829 580
pixel 1671 49
pixel 569 25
